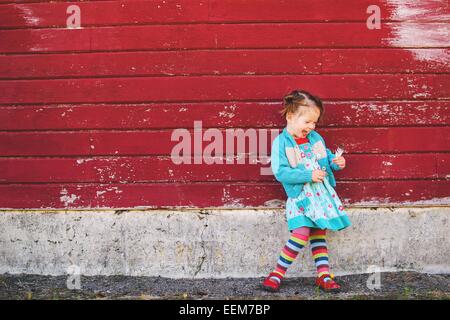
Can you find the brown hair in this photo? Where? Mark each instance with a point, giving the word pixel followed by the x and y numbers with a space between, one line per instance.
pixel 300 99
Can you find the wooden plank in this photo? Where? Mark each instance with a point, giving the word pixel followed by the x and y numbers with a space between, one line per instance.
pixel 136 195
pixel 400 192
pixel 158 142
pixel 225 36
pixel 55 196
pixel 224 62
pixel 386 113
pixel 160 63
pixel 163 169
pixel 389 140
pixel 217 115
pixel 124 170
pixel 443 165
pixel 385 61
pixel 220 88
pixel 388 166
pixel 36 1
pixel 103 13
pixel 327 10
pixel 145 116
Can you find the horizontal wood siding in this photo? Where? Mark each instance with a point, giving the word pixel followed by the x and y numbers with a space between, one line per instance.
pixel 87 116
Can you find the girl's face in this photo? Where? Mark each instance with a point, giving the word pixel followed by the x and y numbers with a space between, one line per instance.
pixel 301 124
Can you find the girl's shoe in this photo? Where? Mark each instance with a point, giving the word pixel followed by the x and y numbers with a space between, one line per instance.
pixel 329 285
pixel 271 284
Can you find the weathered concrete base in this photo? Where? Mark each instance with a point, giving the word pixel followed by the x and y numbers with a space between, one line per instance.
pixel 215 243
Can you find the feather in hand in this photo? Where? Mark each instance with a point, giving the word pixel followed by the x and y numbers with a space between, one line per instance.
pixel 339 152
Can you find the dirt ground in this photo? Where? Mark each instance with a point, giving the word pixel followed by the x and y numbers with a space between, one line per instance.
pixel 399 285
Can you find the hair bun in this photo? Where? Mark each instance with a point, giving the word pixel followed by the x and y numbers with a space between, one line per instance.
pixel 289 98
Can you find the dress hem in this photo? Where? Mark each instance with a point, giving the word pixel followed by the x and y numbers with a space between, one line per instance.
pixel 335 224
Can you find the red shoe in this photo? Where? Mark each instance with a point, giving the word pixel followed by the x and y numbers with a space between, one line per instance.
pixel 329 285
pixel 271 284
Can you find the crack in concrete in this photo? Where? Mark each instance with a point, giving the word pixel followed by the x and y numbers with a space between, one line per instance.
pixel 203 257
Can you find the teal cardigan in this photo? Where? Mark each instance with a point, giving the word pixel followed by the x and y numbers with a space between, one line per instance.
pixel 286 162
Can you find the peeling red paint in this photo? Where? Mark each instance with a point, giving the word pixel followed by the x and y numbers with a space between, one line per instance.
pixel 86 115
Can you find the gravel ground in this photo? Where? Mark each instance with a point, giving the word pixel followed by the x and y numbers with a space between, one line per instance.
pixel 399 285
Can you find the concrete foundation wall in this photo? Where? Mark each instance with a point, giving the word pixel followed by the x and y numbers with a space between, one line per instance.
pixel 215 243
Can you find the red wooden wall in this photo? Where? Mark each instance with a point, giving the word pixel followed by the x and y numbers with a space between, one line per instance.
pixel 86 115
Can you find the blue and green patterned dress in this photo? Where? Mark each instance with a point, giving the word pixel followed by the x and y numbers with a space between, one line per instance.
pixel 318 205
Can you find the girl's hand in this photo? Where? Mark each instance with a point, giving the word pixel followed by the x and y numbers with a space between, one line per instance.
pixel 340 161
pixel 318 175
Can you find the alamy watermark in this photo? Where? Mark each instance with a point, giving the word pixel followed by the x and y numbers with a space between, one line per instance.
pixel 74 20
pixel 374 20
pixel 73 281
pixel 374 280
pixel 229 146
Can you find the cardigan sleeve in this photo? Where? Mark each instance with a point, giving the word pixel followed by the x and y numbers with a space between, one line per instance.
pixel 330 156
pixel 281 169
pixel 333 165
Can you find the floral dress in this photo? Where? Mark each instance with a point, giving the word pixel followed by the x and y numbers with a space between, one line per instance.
pixel 318 205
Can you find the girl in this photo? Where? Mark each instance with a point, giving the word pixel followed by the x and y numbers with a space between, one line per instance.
pixel 303 165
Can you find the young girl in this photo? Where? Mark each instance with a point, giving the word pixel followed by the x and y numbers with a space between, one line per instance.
pixel 304 166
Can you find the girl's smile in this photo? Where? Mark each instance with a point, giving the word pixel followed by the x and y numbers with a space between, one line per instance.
pixel 301 124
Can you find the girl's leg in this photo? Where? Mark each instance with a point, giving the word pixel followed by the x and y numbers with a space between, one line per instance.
pixel 319 252
pixel 296 242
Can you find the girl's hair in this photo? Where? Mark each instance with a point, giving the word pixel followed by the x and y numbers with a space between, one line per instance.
pixel 300 99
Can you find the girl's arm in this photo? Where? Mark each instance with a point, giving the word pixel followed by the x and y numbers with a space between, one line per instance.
pixel 333 165
pixel 330 156
pixel 283 171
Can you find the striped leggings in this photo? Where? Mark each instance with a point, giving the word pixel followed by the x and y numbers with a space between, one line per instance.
pixel 296 242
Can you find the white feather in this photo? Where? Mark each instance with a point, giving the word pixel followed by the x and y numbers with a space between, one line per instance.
pixel 339 152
